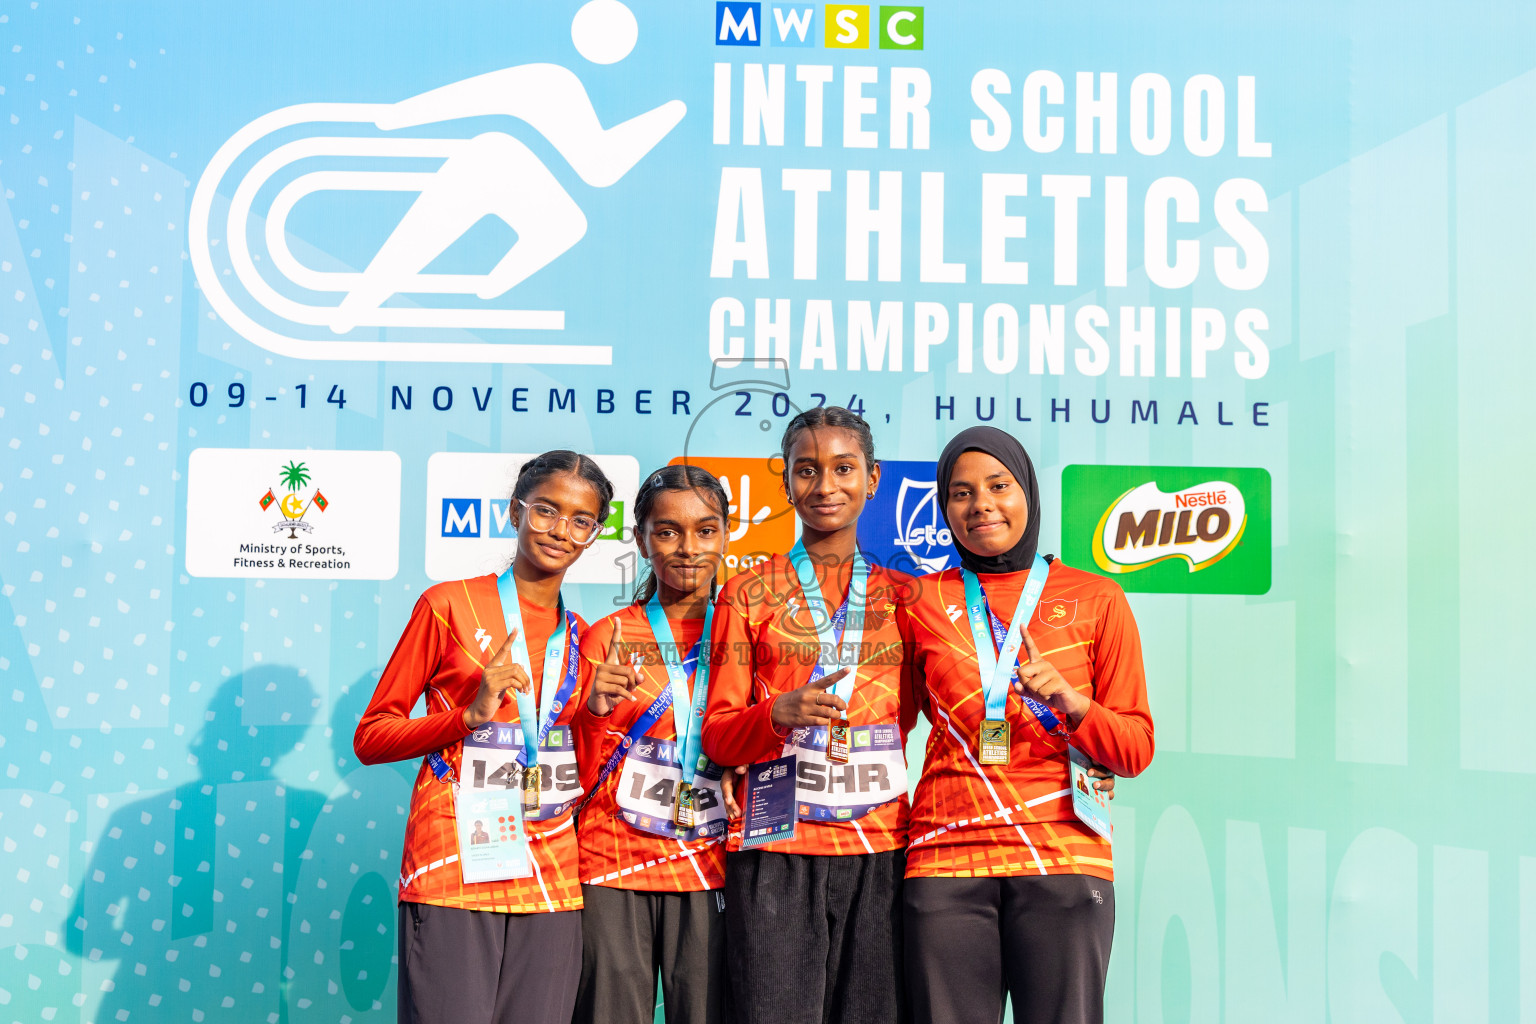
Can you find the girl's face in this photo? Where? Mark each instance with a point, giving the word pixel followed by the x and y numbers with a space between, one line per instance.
pixel 987 507
pixel 684 538
pixel 572 503
pixel 829 481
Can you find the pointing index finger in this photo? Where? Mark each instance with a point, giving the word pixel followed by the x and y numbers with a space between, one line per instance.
pixel 615 642
pixel 1030 649
pixel 826 682
pixel 506 645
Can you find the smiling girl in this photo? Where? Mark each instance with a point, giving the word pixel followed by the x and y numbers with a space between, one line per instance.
pixel 652 834
pixel 807 662
pixel 1018 660
pixel 491 929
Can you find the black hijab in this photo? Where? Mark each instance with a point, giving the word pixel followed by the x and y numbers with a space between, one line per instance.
pixel 1005 449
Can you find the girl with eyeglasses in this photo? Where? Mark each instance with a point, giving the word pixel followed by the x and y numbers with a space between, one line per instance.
pixel 491 929
pixel 807 661
pixel 1024 666
pixel 652 833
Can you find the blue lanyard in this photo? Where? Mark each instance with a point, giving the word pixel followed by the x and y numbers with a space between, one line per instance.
pixel 687 716
pixel 843 628
pixel 995 664
pixel 554 696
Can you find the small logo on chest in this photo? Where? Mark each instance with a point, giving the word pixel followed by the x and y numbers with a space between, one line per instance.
pixel 483 639
pixel 1055 614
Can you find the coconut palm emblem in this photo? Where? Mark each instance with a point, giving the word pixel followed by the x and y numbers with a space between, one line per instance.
pixel 293 477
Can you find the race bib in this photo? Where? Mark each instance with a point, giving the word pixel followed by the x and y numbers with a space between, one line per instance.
pixel 561 782
pixel 647 792
pixel 488 809
pixel 875 774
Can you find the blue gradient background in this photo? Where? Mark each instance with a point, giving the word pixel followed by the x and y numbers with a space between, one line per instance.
pixel 1334 828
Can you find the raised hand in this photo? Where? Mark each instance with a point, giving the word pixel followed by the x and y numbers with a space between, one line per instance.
pixel 1038 679
pixel 499 675
pixel 811 704
pixel 612 681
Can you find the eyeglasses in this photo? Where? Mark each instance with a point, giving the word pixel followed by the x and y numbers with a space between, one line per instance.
pixel 542 519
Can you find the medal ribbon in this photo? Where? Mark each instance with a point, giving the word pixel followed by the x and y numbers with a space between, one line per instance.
pixel 687 716
pixel 995 664
pixel 534 733
pixel 843 628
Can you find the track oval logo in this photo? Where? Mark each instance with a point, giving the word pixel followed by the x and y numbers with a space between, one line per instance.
pixel 1201 524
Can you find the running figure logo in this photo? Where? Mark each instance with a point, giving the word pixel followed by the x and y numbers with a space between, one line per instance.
pixel 303 310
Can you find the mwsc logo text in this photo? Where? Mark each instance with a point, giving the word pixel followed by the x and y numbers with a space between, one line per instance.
pixel 842 26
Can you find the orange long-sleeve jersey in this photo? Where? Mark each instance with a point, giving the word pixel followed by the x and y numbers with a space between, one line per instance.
pixel 454 630
pixel 613 852
pixel 764 644
pixel 970 819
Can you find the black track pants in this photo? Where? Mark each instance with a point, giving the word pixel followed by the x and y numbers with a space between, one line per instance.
pixel 1044 939
pixel 481 966
pixel 628 936
pixel 815 939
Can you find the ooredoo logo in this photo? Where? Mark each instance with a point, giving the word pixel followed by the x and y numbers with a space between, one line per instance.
pixel 278 298
pixel 1170 529
pixel 759 515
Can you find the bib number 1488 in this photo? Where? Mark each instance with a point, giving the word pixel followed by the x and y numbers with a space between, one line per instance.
pixel 662 793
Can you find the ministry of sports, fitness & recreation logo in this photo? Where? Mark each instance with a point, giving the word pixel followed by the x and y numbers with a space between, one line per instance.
pixel 278 301
pixel 292 479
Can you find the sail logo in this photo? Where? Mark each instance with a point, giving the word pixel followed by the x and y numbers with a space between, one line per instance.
pixel 903 525
pixel 1201 524
pixel 1169 529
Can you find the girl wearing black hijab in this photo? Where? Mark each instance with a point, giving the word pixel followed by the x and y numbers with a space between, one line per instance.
pixel 1023 665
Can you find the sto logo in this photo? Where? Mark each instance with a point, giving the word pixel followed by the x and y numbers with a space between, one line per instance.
pixel 490 174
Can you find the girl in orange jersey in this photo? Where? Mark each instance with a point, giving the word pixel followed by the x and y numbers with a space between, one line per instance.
pixel 807 661
pixel 489 924
pixel 652 833
pixel 1007 888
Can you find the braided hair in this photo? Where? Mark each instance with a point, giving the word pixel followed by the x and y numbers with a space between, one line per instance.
pixel 828 416
pixel 541 467
pixel 669 479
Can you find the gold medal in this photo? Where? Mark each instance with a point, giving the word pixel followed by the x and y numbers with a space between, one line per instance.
pixel 531 790
pixel 839 743
pixel 683 813
pixel 994 741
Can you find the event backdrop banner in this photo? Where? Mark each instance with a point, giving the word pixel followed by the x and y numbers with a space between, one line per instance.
pixel 286 288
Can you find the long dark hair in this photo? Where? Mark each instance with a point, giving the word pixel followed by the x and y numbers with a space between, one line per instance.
pixel 674 478
pixel 828 416
pixel 541 467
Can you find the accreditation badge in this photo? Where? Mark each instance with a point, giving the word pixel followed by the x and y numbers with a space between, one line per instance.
pixel 683 813
pixel 1090 806
pixel 488 819
pixel 994 741
pixel 839 743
